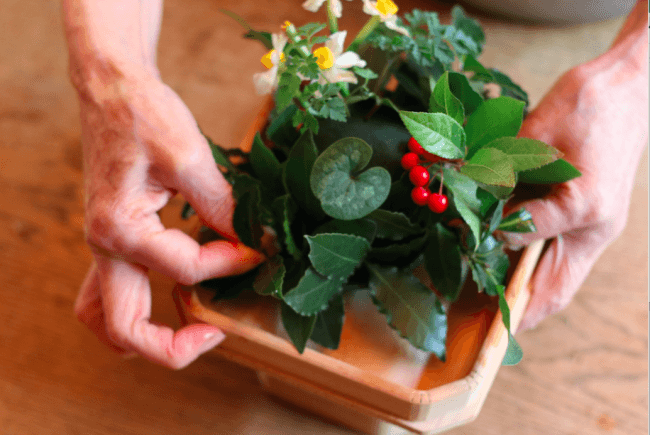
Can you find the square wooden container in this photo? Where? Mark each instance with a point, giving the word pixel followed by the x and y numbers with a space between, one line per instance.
pixel 378 386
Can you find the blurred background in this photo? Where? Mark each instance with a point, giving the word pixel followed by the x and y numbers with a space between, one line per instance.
pixel 584 370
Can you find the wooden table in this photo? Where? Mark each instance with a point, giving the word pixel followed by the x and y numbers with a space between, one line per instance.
pixel 584 372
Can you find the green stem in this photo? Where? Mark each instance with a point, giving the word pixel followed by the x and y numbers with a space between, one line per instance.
pixel 331 18
pixel 364 32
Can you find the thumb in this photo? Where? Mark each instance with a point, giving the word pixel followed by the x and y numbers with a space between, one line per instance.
pixel 557 213
pixel 559 274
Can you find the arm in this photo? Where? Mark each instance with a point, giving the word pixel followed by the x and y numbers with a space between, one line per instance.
pixel 597 115
pixel 141 145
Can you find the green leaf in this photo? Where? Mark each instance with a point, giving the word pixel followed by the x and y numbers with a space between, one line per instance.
pixel 444 263
pixel 480 72
pixel 337 255
pixel 519 221
pixel 312 293
pixel 285 210
pixel 281 129
pixel 508 87
pixel 297 171
pixel 393 225
pixel 329 324
pixel 288 87
pixel 559 171
pixel 490 166
pixel 399 253
pixel 514 353
pixel 490 265
pixel 344 193
pixel 525 153
pixel 493 119
pixel 438 133
pixel 465 199
pixel 443 100
pixel 298 327
pixel 229 287
pixel 468 34
pixel 247 217
pixel 365 73
pixel 187 211
pixel 263 37
pixel 265 164
pixel 461 88
pixel 358 227
pixel 496 216
pixel 270 278
pixel 410 308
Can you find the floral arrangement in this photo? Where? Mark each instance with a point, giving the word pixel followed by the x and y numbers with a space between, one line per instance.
pixel 385 152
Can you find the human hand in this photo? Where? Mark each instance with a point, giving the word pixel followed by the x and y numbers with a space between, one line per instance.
pixel 597 115
pixel 141 146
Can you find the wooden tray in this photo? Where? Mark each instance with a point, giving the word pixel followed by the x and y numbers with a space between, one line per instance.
pixel 372 384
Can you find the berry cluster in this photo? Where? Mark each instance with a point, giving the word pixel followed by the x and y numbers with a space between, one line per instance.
pixel 419 176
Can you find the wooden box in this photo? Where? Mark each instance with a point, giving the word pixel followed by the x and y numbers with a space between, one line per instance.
pixel 377 383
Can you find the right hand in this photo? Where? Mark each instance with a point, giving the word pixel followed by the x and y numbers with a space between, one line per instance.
pixel 142 146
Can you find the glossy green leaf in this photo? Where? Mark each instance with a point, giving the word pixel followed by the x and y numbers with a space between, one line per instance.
pixel 461 88
pixel 359 227
pixel 298 327
pixel 281 129
pixel 343 191
pixel 337 255
pixel 443 100
pixel 285 209
pixel 270 278
pixel 467 32
pixel 393 225
pixel 519 221
pixel 496 216
pixel 495 118
pixel 490 166
pixel 247 217
pixel 297 171
pixel 480 72
pixel 489 265
pixel 410 308
pixel 465 199
pixel 514 353
pixel 438 133
pixel 525 153
pixel 266 165
pixel 559 171
pixel 329 324
pixel 444 263
pixel 219 157
pixel 312 293
pixel 399 253
pixel 508 87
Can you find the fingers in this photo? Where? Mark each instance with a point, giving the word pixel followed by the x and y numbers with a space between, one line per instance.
pixel 126 302
pixel 180 257
pixel 89 311
pixel 560 273
pixel 564 209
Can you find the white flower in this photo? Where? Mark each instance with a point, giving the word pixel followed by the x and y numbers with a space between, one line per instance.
pixel 386 11
pixel 334 67
pixel 267 81
pixel 314 5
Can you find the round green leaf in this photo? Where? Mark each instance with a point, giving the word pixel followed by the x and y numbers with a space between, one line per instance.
pixel 343 192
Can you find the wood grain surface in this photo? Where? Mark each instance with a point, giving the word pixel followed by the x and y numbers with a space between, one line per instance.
pixel 585 370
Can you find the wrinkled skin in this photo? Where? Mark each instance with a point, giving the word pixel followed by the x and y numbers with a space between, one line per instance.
pixel 141 146
pixel 597 115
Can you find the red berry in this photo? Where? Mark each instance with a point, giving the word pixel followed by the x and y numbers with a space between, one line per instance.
pixel 415 147
pixel 410 160
pixel 431 157
pixel 419 176
pixel 420 195
pixel 437 203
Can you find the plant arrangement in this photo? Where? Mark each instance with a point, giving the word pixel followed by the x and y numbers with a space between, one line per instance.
pixel 386 152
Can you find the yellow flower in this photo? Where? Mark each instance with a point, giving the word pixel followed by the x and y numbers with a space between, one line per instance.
pixel 267 59
pixel 324 57
pixel 386 7
pixel 286 24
